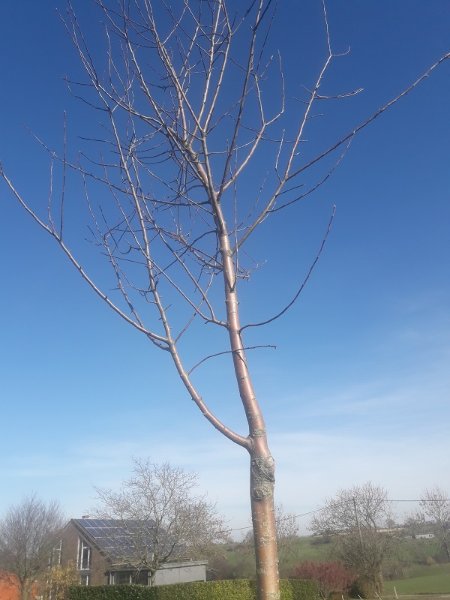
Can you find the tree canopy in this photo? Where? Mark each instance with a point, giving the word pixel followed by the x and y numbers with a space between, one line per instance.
pixel 28 533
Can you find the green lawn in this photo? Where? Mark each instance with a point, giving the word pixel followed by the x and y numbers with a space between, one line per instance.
pixel 434 579
pixel 420 579
pixel 308 548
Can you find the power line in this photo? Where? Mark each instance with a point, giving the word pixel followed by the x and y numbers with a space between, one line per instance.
pixel 419 500
pixel 350 500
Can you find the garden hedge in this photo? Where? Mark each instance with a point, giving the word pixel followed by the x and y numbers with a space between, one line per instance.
pixel 230 589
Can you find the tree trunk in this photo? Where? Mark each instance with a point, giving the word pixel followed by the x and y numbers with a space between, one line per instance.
pixel 370 585
pixel 151 577
pixel 262 478
pixel 24 589
pixel 446 549
pixel 262 469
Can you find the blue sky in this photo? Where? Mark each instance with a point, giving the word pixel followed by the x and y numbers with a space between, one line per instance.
pixel 358 386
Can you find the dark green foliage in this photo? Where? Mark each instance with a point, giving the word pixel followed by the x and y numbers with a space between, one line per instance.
pixel 110 592
pixel 237 589
pixel 297 589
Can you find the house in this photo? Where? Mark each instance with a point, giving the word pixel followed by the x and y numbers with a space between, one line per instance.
pixel 9 586
pixel 104 553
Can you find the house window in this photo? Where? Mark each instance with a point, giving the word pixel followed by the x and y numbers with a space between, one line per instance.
pixel 127 577
pixel 84 579
pixel 123 577
pixel 140 577
pixel 55 557
pixel 84 556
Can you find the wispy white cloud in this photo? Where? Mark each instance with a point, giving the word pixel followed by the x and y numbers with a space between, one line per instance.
pixel 311 465
pixel 384 425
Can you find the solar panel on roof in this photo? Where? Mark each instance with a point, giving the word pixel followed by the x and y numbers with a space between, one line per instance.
pixel 98 523
pixel 127 541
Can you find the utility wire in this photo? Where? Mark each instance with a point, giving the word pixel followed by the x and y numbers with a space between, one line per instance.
pixel 311 512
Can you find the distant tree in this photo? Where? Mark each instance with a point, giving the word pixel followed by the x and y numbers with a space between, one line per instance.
pixel 287 525
pixel 413 524
pixel 287 536
pixel 28 533
pixel 435 509
pixel 163 518
pixel 355 518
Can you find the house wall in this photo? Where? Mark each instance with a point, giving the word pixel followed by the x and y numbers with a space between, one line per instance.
pixel 181 573
pixel 9 587
pixel 98 566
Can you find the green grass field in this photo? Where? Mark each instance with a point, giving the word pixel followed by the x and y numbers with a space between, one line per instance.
pixel 434 579
pixel 419 577
pixel 307 549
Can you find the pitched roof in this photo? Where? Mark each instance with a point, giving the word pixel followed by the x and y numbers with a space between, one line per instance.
pixel 121 541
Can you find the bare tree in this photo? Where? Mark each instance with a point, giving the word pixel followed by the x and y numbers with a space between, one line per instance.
pixel 413 525
pixel 287 536
pixel 28 533
pixel 287 526
pixel 435 508
pixel 355 518
pixel 162 519
pixel 196 149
